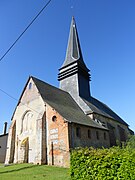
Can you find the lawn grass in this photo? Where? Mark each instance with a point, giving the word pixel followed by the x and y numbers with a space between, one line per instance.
pixel 30 171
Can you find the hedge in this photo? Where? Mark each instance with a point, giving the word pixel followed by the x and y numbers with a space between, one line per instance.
pixel 115 163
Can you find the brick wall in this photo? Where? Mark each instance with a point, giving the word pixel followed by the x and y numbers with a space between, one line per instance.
pixel 57 138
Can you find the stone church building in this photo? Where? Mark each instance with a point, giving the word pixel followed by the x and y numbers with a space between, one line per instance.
pixel 48 122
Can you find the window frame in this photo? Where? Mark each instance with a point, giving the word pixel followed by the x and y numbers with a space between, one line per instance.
pixel 89 133
pixel 97 135
pixel 105 137
pixel 78 132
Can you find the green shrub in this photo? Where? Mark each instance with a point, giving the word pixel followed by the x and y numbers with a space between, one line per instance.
pixel 131 142
pixel 102 164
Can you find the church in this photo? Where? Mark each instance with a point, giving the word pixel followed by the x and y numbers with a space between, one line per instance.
pixel 48 122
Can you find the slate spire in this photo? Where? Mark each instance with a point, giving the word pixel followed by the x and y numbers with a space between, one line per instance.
pixel 74 71
pixel 73 49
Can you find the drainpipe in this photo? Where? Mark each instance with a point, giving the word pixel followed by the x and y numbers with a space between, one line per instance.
pixel 5 127
pixel 52 153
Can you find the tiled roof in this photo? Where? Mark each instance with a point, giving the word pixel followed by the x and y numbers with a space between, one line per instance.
pixel 101 108
pixel 64 104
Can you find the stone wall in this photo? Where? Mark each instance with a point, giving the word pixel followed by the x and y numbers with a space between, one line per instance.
pixel 113 125
pixel 40 135
pixel 11 143
pixel 28 137
pixel 87 136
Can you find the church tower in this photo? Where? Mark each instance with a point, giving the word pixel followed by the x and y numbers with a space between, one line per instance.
pixel 74 75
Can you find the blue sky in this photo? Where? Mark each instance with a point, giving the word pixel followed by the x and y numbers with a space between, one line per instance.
pixel 107 35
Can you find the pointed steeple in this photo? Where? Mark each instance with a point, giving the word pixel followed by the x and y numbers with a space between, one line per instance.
pixel 74 75
pixel 73 52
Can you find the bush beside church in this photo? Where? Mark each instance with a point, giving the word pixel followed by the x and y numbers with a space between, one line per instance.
pixel 103 164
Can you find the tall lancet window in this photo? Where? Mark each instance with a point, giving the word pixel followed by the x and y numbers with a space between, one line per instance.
pixel 26 121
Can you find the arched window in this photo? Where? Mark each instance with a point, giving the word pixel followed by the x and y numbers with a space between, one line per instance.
pixel 26 121
pixel 30 85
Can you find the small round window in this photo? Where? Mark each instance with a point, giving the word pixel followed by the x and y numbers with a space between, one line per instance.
pixel 54 118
